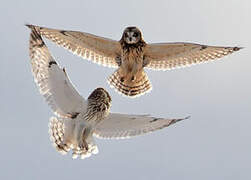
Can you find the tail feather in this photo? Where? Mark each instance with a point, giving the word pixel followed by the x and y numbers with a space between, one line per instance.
pixel 56 131
pixel 129 85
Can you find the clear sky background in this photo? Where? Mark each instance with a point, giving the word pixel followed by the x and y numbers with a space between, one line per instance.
pixel 213 144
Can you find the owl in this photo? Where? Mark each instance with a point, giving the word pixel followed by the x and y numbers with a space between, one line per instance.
pixel 131 54
pixel 77 120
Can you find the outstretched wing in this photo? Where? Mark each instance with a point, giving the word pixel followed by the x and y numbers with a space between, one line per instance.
pixel 52 81
pixel 120 126
pixel 98 49
pixel 166 56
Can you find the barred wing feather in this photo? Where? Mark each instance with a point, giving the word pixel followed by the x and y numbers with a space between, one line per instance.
pixel 166 56
pixel 120 126
pixel 52 81
pixel 88 46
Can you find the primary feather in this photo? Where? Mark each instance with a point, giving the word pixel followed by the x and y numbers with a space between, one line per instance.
pixel 167 56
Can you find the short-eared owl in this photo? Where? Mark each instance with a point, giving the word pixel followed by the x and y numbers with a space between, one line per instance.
pixel 78 120
pixel 131 54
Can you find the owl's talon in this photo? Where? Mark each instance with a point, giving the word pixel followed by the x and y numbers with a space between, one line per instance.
pixel 84 146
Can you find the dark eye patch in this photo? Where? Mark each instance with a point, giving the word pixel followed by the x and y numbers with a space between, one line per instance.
pixel 135 34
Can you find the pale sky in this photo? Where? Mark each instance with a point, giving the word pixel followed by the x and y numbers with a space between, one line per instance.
pixel 213 144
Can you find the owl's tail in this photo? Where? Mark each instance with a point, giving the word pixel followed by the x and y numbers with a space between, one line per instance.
pixel 56 131
pixel 62 128
pixel 129 84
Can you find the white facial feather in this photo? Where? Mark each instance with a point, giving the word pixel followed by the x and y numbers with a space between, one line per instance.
pixel 131 37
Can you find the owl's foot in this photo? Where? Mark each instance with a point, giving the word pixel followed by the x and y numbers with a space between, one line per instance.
pixel 92 149
pixel 84 150
pixel 83 145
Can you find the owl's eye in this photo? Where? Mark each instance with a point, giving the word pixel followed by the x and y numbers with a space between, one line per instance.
pixel 135 34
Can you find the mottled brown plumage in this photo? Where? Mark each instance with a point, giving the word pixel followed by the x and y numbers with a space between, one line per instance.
pixel 131 54
pixel 130 78
pixel 99 103
pixel 78 120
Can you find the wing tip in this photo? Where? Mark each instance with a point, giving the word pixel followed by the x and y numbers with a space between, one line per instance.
pixel 29 26
pixel 33 27
pixel 36 37
pixel 237 48
pixel 177 120
pixel 188 117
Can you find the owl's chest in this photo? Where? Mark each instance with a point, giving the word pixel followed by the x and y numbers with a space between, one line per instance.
pixel 132 58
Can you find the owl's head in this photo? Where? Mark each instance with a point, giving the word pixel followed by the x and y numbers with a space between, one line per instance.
pixel 131 35
pixel 100 100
